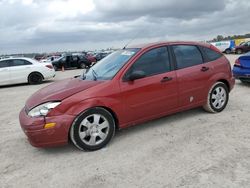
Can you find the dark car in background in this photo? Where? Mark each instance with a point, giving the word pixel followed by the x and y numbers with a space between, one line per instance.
pixel 241 68
pixel 242 48
pixel 100 56
pixel 71 61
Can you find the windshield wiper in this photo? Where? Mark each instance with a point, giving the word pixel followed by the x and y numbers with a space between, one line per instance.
pixel 94 74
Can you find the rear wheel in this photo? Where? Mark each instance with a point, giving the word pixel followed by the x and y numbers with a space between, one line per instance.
pixel 239 51
pixel 217 98
pixel 82 66
pixel 93 129
pixel 35 78
pixel 228 51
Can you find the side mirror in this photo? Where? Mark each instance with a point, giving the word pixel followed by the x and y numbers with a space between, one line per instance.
pixel 136 75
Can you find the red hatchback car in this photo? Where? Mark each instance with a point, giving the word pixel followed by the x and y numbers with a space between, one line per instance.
pixel 130 86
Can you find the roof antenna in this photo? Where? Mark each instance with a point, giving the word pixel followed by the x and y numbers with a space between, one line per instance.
pixel 131 40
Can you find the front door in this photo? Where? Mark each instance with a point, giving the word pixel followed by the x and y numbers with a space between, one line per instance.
pixel 19 70
pixel 156 93
pixel 4 72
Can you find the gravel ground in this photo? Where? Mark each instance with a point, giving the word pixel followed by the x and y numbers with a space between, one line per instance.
pixel 188 149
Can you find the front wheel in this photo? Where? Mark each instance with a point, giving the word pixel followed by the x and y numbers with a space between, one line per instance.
pixel 93 129
pixel 217 98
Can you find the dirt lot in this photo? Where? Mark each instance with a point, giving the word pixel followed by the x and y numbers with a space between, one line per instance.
pixel 189 149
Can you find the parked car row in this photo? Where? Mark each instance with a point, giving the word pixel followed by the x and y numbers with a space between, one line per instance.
pixel 230 47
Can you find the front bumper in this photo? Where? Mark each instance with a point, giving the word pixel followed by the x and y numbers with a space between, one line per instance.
pixel 240 72
pixel 39 136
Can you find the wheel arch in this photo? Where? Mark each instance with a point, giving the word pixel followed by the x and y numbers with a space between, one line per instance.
pixel 35 72
pixel 226 83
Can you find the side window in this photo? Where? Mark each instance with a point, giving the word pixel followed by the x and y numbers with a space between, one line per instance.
pixel 75 58
pixel 187 56
pixel 4 64
pixel 19 62
pixel 211 54
pixel 153 62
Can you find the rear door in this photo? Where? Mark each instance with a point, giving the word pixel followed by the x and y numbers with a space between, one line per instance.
pixel 192 74
pixel 4 72
pixel 20 70
pixel 154 94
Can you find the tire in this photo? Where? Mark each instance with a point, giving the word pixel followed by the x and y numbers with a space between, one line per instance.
pixel 93 129
pixel 35 78
pixel 217 98
pixel 239 51
pixel 228 51
pixel 82 66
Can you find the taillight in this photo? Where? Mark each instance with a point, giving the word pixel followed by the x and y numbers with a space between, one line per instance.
pixel 237 62
pixel 49 66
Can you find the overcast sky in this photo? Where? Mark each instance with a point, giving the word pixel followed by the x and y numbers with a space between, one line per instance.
pixel 56 25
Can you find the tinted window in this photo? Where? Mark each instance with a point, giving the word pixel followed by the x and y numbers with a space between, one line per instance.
pixel 187 56
pixel 19 62
pixel 211 54
pixel 4 64
pixel 153 62
pixel 75 58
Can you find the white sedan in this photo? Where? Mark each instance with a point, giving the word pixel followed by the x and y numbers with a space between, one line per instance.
pixel 22 70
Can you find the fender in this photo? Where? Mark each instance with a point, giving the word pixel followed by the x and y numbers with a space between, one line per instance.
pixel 220 77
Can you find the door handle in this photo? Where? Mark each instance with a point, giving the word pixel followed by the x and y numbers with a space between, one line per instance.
pixel 166 79
pixel 204 69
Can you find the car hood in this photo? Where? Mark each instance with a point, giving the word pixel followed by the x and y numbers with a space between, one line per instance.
pixel 59 91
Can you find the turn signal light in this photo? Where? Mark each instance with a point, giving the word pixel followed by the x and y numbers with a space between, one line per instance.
pixel 49 125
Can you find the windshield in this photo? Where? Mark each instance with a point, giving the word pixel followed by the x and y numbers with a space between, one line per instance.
pixel 107 68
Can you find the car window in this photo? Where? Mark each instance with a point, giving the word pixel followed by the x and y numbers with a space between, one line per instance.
pixel 4 64
pixel 19 62
pixel 75 58
pixel 211 54
pixel 187 56
pixel 153 62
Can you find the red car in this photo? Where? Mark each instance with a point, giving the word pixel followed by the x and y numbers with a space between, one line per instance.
pixel 242 48
pixel 130 86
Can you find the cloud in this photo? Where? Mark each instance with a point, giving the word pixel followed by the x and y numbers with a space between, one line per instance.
pixel 52 25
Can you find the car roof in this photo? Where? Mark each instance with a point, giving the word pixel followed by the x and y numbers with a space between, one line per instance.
pixel 149 45
pixel 22 58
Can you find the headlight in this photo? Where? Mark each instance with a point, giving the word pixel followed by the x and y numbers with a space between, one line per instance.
pixel 43 109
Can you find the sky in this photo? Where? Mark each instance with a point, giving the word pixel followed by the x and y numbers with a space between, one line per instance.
pixel 68 25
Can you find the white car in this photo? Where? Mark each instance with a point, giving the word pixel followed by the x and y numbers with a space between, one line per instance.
pixel 22 70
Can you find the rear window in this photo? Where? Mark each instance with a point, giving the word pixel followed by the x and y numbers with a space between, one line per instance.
pixel 211 54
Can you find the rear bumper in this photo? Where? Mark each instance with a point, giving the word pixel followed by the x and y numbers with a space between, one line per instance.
pixel 49 74
pixel 240 72
pixel 38 136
